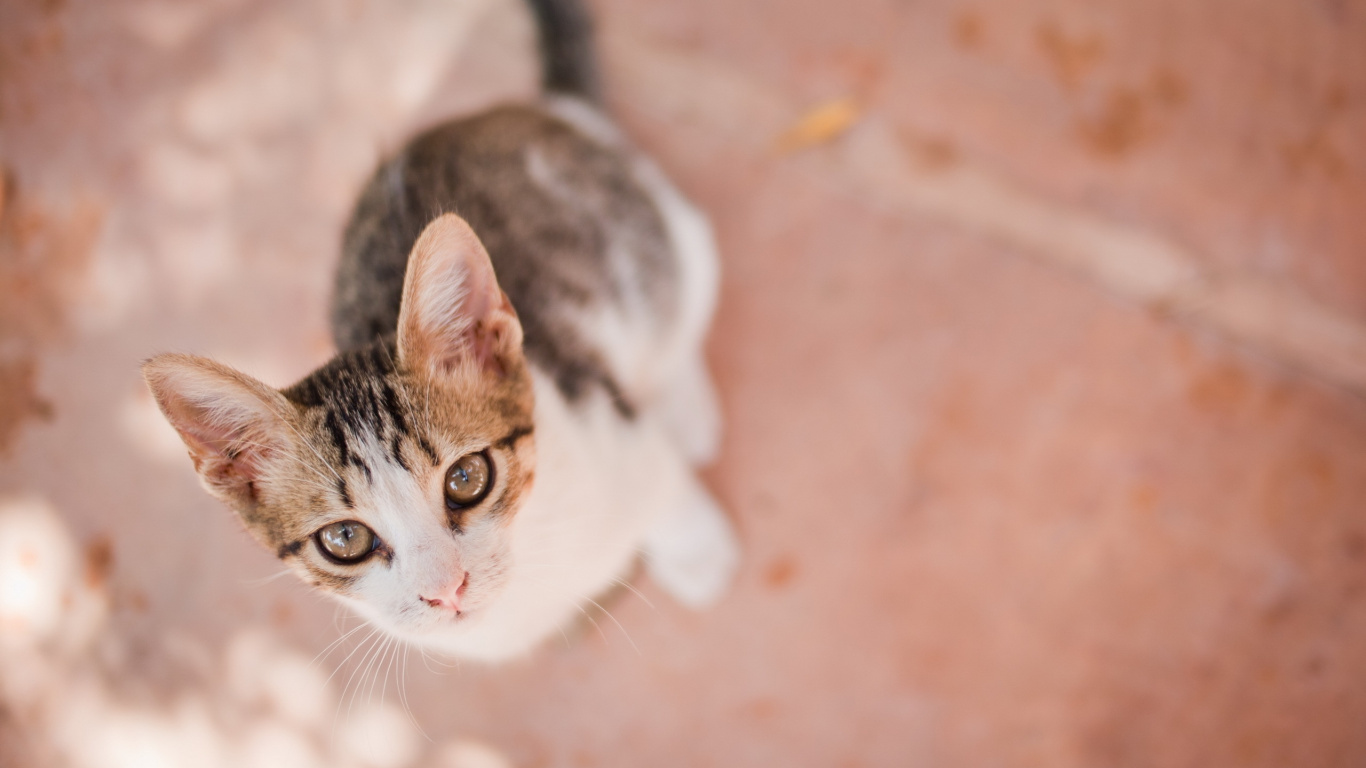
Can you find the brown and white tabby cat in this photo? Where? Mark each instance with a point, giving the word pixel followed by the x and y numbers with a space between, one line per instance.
pixel 520 396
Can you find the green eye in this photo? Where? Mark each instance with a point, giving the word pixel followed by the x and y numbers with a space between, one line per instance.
pixel 347 542
pixel 468 480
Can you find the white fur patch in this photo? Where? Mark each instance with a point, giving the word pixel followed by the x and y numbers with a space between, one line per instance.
pixel 692 551
pixel 601 482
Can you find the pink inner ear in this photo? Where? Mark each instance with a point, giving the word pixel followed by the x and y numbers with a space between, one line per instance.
pixel 240 448
pixel 453 311
pixel 229 422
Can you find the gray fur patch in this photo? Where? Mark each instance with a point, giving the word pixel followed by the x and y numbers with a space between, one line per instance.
pixel 552 244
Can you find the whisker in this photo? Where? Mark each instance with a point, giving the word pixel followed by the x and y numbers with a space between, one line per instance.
pixel 379 664
pixel 347 687
pixel 427 659
pixel 359 645
pixel 348 695
pixel 264 580
pixel 390 656
pixel 626 634
pixel 605 612
pixel 403 691
pixel 336 616
pixel 364 674
pixel 328 650
pixel 636 592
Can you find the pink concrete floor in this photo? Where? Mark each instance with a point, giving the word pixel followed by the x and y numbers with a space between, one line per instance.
pixel 1044 383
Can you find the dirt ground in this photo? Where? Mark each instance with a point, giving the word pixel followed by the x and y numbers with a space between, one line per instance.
pixel 1042 347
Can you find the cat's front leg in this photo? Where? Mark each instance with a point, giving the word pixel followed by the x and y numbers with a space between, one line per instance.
pixel 690 414
pixel 692 550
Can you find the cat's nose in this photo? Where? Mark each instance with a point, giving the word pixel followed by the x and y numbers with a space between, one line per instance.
pixel 449 596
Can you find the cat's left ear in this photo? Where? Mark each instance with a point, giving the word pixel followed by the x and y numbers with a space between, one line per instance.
pixel 453 313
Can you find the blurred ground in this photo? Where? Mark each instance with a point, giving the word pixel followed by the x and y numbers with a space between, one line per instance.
pixel 1042 347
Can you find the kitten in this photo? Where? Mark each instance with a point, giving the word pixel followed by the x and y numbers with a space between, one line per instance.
pixel 520 396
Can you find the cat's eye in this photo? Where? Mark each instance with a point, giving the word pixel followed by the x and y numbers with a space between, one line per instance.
pixel 468 480
pixel 347 542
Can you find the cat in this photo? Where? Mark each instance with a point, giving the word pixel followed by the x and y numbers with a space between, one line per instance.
pixel 519 401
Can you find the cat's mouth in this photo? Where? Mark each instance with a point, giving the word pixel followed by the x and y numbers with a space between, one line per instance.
pixel 449 620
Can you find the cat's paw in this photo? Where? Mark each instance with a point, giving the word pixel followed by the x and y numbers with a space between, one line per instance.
pixel 693 552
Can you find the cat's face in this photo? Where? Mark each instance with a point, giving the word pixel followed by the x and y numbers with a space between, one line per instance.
pixel 389 476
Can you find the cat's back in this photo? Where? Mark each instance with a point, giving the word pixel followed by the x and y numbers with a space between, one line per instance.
pixel 583 237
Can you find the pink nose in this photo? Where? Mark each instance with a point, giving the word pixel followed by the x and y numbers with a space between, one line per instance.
pixel 449 596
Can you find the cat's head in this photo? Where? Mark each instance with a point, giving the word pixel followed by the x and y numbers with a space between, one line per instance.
pixel 389 476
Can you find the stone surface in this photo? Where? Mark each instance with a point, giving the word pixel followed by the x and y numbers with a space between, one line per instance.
pixel 1002 504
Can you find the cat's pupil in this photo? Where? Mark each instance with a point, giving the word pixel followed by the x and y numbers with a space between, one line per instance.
pixel 347 541
pixel 467 481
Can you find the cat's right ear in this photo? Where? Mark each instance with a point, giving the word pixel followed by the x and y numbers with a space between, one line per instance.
pixel 232 424
pixel 453 315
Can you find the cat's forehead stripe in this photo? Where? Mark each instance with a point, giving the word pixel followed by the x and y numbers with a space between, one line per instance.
pixel 359 398
pixel 392 407
pixel 344 494
pixel 338 436
pixel 428 449
pixel 396 453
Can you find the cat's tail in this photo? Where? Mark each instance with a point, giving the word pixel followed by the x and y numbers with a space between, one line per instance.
pixel 565 32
